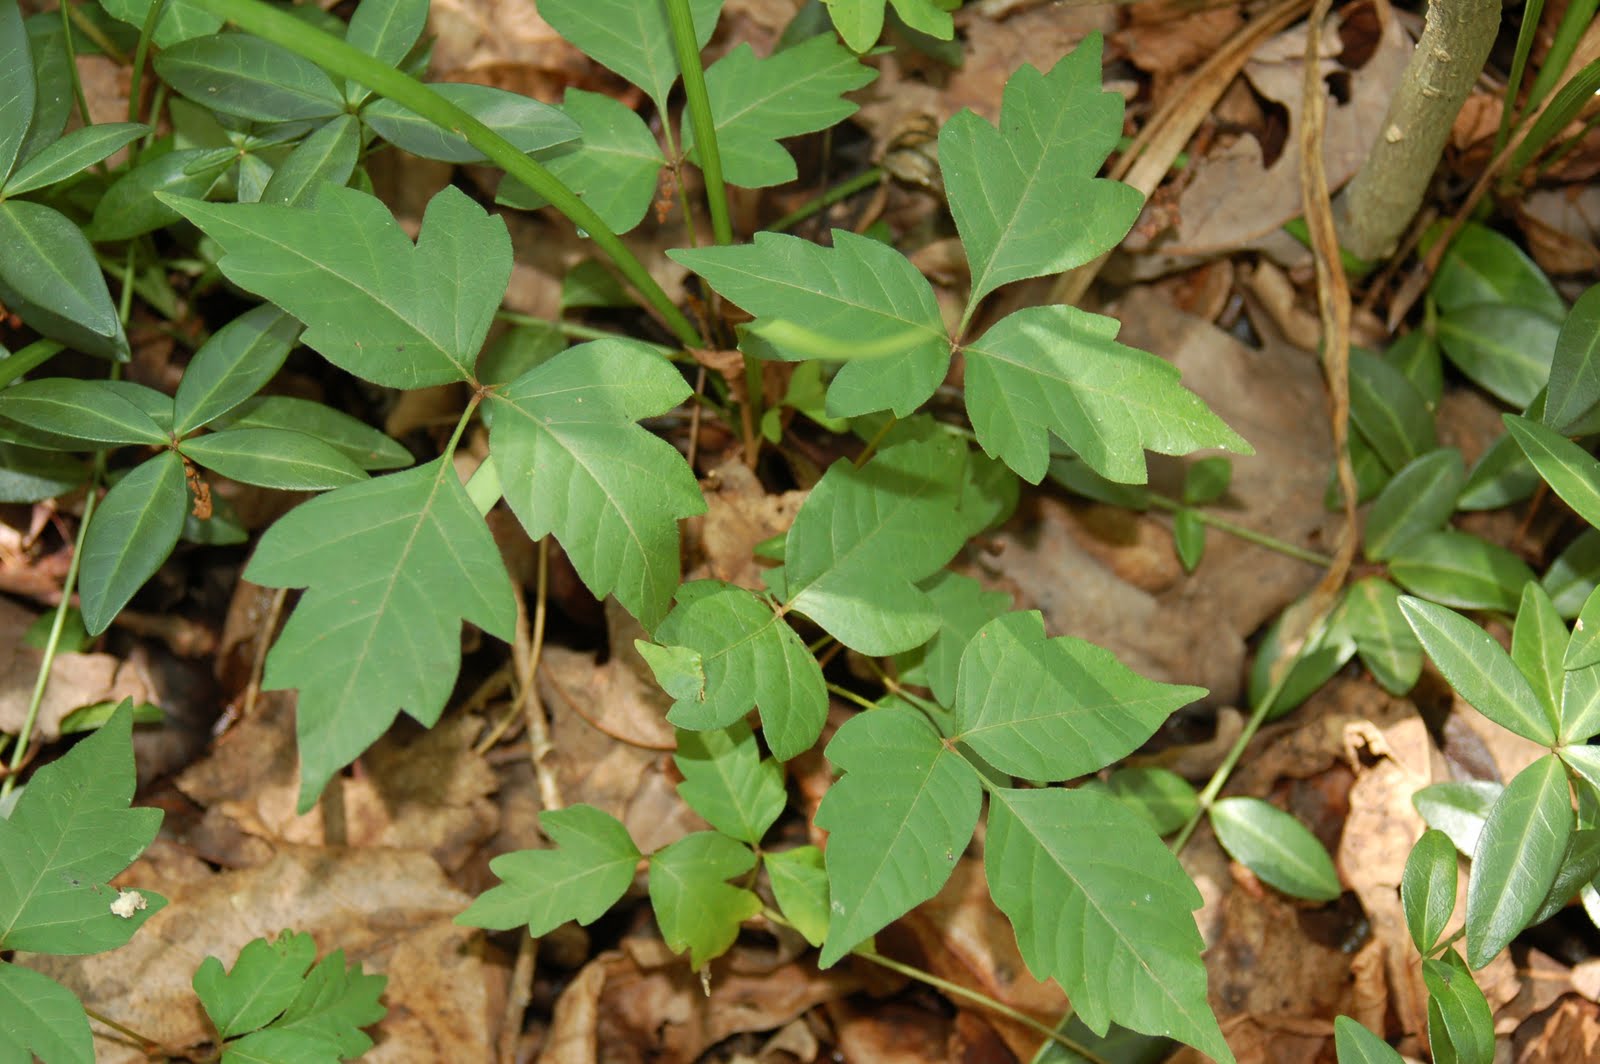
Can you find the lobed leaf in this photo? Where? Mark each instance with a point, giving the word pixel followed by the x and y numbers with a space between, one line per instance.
pixel 323 1022
pixel 695 906
pixel 264 981
pixel 726 781
pixel 963 607
pixel 42 1018
pixel 630 37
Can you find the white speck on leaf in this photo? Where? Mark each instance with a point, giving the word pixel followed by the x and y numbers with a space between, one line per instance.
pixel 128 902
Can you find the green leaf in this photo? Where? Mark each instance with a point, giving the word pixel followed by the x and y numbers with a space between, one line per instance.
pixel 1428 888
pixel 680 671
pixel 322 1023
pixel 131 534
pixel 1479 670
pixel 1388 411
pixel 86 410
pixel 1579 866
pixel 1102 906
pixel 697 909
pixel 387 29
pixel 1416 354
pixel 1502 475
pixel 1387 645
pixel 53 73
pixel 800 886
pixel 526 123
pixel 1580 704
pixel 1458 809
pixel 132 207
pixel 963 607
pixel 393 566
pixel 866 536
pixel 273 458
pixel 1571 472
pixel 1054 709
pixel 17 86
pixel 1518 854
pixel 43 1019
pixel 329 154
pixel 1161 796
pixel 1357 1045
pixel 860 22
pixel 1310 664
pixel 614 168
pixel 1059 370
pixel 1538 643
pixel 1276 847
pixel 860 293
pixel 574 462
pixel 1464 1014
pixel 726 781
pixel 1481 266
pixel 28 475
pixel 72 154
pixel 749 657
pixel 355 439
pixel 1419 499
pixel 71 832
pixel 234 364
pixel 49 276
pixel 757 102
pixel 1025 197
pixel 396 314
pixel 1206 480
pixel 1460 570
pixel 591 284
pixel 630 37
pixel 1505 350
pixel 1575 370
pixel 246 76
pixel 1584 648
pixel 897 822
pixel 180 20
pixel 581 878
pixel 264 981
pixel 1189 538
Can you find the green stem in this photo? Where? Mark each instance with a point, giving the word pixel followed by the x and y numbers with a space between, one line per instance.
pixel 842 191
pixel 72 63
pixel 141 52
pixel 850 696
pixel 1249 535
pixel 579 331
pixel 698 101
pixel 27 359
pixel 339 58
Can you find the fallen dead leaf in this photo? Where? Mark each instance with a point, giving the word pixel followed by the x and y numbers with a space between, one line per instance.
pixel 75 679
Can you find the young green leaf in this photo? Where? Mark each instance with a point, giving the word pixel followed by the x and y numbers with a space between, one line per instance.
pixel 859 294
pixel 393 313
pixel 1428 888
pixel 1388 411
pixel 1466 1022
pixel 1481 266
pixel 1575 370
pixel 130 535
pixel 393 566
pixel 1059 370
pixel 243 75
pixel 329 154
pixel 897 822
pixel 273 458
pixel 49 276
pixel 355 439
pixel 71 831
pixel 1419 499
pixel 800 886
pixel 573 462
pixel 727 782
pixel 1505 350
pixel 43 1019
pixel 17 86
pixel 1386 644
pixel 1276 847
pixel 963 607
pixel 749 657
pixel 867 535
pixel 1458 808
pixel 1460 570
pixel 232 365
pixel 1206 480
pixel 1054 709
pixel 1102 906
pixel 630 37
pixel 1538 643
pixel 757 102
pixel 1159 795
pixel 323 1022
pixel 697 909
pixel 265 979
pixel 84 410
pixel 72 154
pixel 1517 857
pixel 1024 195
pixel 1572 472
pixel 1357 1045
pixel 585 874
pixel 1189 538
pixel 526 123
pixel 386 30
pixel 133 206
pixel 1479 670
pixel 860 22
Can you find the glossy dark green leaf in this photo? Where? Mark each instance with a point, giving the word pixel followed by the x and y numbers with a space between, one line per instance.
pixel 1458 808
pixel 1571 472
pixel 132 532
pixel 1584 647
pixel 1572 577
pixel 1189 538
pixel 1460 570
pixel 72 154
pixel 49 276
pixel 1159 795
pixel 1276 847
pixel 233 365
pixel 329 154
pixel 1419 499
pixel 1538 644
pixel 1462 1010
pixel 387 29
pixel 1481 266
pixel 273 458
pixel 1579 866
pixel 1505 350
pixel 1575 370
pixel 1584 761
pixel 1387 645
pixel 130 206
pixel 1428 888
pixel 17 86
pixel 630 37
pixel 91 411
pixel 249 77
pixel 1580 704
pixel 1518 855
pixel 528 124
pixel 355 439
pixel 800 886
pixel 28 475
pixel 1479 670
pixel 52 70
pixel 963 607
pixel 728 782
pixel 1371 474
pixel 1416 354
pixel 1357 1045
pixel 696 907
pixel 1310 665
pixel 1388 411
pixel 1502 475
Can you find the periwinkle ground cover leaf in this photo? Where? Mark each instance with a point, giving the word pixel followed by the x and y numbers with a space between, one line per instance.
pixel 574 462
pixel 527 124
pixel 898 820
pixel 584 874
pixel 1458 1014
pixel 696 907
pixel 1428 888
pixel 1054 709
pixel 1575 370
pixel 1279 849
pixel 49 276
pixel 1538 646
pixel 1571 472
pixel 392 567
pixel 1517 857
pixel 395 313
pixel 245 76
pixel 1103 907
pixel 131 534
pixel 1479 669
